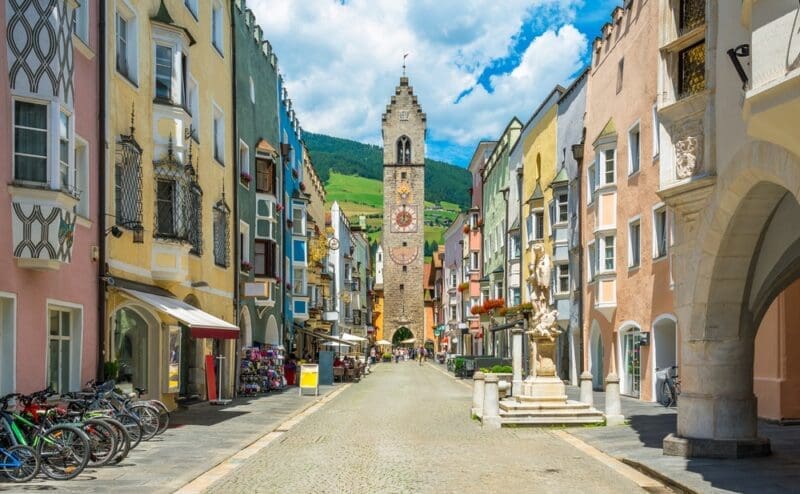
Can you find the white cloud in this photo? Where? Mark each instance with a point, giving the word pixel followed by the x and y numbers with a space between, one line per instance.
pixel 341 62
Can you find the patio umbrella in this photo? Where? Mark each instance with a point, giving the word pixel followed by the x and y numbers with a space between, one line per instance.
pixel 352 337
pixel 383 343
pixel 410 340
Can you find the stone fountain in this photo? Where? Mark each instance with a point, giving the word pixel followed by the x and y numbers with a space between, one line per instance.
pixel 541 399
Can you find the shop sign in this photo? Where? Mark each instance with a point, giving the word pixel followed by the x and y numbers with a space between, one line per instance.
pixel 309 378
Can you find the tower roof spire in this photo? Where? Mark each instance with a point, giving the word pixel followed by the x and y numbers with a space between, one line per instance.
pixel 404 64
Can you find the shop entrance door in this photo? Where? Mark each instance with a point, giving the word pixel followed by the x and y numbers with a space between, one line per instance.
pixel 631 358
pixel 188 355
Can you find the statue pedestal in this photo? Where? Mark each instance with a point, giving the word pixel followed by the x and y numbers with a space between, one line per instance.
pixel 543 400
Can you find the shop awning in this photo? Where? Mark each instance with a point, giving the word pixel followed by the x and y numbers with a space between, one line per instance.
pixel 352 337
pixel 323 336
pixel 201 324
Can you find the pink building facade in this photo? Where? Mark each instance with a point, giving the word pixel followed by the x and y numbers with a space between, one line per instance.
pixel 630 329
pixel 49 228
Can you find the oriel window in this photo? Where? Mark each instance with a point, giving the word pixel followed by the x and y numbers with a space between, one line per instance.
pixel 163 73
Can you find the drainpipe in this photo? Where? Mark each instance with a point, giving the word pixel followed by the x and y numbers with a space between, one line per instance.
pixel 101 181
pixel 577 154
pixel 235 364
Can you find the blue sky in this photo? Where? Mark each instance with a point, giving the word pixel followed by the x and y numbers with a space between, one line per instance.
pixel 474 64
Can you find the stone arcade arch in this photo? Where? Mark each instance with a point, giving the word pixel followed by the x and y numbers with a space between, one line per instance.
pixel 664 344
pixel 246 326
pixel 272 336
pixel 739 252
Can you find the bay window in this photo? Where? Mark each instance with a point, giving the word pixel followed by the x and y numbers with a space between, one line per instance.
pixel 163 73
pixel 608 253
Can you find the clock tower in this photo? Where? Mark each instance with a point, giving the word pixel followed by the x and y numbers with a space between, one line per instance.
pixel 403 128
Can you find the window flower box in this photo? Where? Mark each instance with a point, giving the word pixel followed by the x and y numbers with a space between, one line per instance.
pixel 245 178
pixel 246 266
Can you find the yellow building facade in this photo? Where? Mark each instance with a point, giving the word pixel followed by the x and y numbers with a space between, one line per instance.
pixel 169 192
pixel 538 157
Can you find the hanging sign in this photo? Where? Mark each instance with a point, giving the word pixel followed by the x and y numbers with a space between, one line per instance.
pixel 309 378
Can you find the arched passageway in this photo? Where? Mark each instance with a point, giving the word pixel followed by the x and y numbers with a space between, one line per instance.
pixel 665 350
pixel 596 356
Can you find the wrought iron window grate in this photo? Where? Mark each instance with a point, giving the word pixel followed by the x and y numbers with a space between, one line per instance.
pixel 175 190
pixel 221 232
pixel 128 182
pixel 692 70
pixel 691 13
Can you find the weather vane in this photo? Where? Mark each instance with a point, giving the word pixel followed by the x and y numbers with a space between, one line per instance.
pixel 404 64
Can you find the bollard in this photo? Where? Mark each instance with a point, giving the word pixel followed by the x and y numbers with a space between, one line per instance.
pixel 477 393
pixel 613 403
pixel 587 395
pixel 491 405
pixel 516 361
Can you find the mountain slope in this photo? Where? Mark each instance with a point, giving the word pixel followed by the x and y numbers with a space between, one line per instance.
pixel 443 181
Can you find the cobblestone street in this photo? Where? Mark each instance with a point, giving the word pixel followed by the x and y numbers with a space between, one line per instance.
pixel 406 428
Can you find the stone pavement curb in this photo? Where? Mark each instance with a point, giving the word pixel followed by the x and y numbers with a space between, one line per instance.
pixel 670 482
pixel 228 465
pixel 642 479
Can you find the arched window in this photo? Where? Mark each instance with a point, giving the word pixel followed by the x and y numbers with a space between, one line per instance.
pixel 404 151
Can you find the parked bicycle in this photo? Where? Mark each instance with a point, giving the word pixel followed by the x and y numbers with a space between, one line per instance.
pixel 670 387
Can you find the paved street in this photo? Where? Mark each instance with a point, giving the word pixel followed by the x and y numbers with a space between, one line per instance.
pixel 406 428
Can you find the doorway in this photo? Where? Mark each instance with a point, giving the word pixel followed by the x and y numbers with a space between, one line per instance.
pixel 665 338
pixel 631 362
pixel 596 357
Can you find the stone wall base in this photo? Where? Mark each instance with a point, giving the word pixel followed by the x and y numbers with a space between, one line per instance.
pixel 716 448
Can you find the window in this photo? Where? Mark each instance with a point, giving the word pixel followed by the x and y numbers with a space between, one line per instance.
pixel 127 46
pixel 453 312
pixel 7 343
pixel 656 132
pixel 609 157
pixel 562 207
pixel 193 105
pixel 298 220
pixel 82 21
pixel 634 244
pixel 163 73
pixel 252 91
pixel 216 27
pixel 219 136
pixel 244 243
pixel 538 224
pixel 591 175
pixel 453 278
pixel 402 286
pixel 165 208
pixel 264 260
pixel 608 253
pixel 692 70
pixel 660 232
pixel 63 356
pixel 562 278
pixel 403 175
pixel 221 254
pixel 514 250
pixel 403 151
pixel 299 281
pixel 265 176
pixel 192 6
pixel 30 142
pixel 474 261
pixel 691 14
pixel 592 261
pixel 128 181
pixel 620 72
pixel 473 221
pixel 244 163
pixel 634 149
pixel 64 166
pixel 82 175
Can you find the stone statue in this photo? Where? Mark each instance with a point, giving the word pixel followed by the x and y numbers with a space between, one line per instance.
pixel 544 319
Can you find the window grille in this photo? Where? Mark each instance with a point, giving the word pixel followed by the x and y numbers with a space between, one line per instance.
pixel 175 184
pixel 221 247
pixel 691 13
pixel 195 217
pixel 128 181
pixel 692 70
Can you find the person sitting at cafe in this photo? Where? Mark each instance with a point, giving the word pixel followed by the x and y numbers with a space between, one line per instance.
pixel 337 362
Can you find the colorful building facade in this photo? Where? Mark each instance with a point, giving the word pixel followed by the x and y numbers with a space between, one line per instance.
pixel 49 218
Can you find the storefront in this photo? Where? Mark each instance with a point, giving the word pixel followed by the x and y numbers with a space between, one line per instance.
pixel 168 346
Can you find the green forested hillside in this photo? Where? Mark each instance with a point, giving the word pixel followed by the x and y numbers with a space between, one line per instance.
pixel 443 182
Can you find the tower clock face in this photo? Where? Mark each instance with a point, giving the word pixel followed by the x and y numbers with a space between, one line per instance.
pixel 404 219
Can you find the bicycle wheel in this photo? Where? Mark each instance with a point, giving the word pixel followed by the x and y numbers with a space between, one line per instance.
pixel 103 441
pixel 163 416
pixel 148 416
pixel 64 451
pixel 123 440
pixel 134 427
pixel 667 396
pixel 28 463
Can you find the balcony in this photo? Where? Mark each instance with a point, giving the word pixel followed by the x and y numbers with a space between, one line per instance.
pixel 42 227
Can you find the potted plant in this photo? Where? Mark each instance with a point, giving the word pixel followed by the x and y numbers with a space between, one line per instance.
pixel 279 207
pixel 303 186
pixel 111 369
pixel 246 266
pixel 245 177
